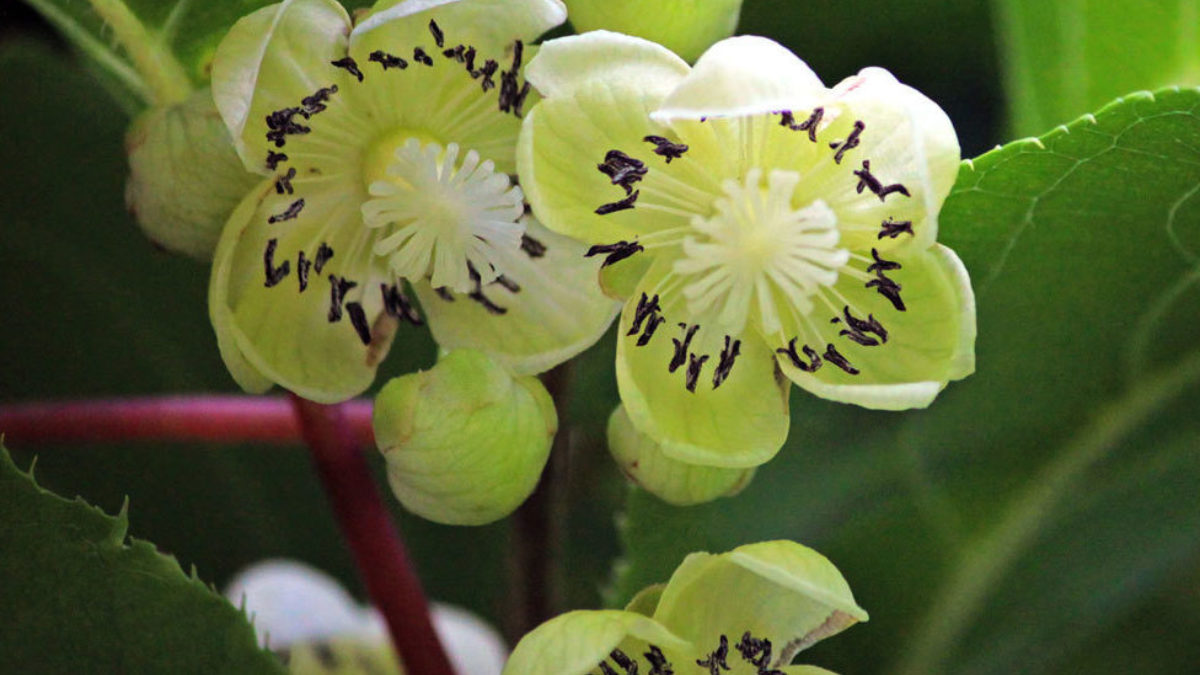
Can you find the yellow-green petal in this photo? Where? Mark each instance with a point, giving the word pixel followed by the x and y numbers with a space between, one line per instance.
pixel 547 308
pixel 673 481
pixel 465 442
pixel 270 60
pixel 488 25
pixel 740 76
pixel 929 344
pixel 686 27
pixel 575 642
pixel 738 421
pixel 598 92
pixel 776 590
pixel 300 339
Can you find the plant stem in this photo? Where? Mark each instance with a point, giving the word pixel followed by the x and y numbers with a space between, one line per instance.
pixel 382 560
pixel 164 75
pixel 213 419
pixel 535 585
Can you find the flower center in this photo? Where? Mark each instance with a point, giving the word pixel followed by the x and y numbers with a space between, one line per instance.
pixel 440 217
pixel 758 251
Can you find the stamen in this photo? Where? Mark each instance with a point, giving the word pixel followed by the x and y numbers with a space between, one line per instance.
pixel 810 125
pixel 622 169
pixel 759 253
pixel 893 228
pixel 386 60
pixel 398 306
pixel 849 144
pixel 293 210
pixel 338 287
pixel 659 665
pixel 646 307
pixel 358 319
pixel 693 372
pixel 835 357
pixel 324 253
pixel 274 274
pixel 303 265
pixel 443 218
pixel 613 207
pixel 438 36
pixel 755 651
pixel 728 355
pixel 665 148
pixel 532 247
pixel 716 660
pixel 813 363
pixel 867 180
pixel 421 57
pixel 274 158
pixel 284 183
pixel 349 65
pixel 616 252
pixel 858 329
pixel 316 102
pixel 681 346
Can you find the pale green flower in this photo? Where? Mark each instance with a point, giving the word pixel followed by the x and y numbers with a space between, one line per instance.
pixel 389 144
pixel 465 442
pixel 745 612
pixel 686 27
pixel 761 227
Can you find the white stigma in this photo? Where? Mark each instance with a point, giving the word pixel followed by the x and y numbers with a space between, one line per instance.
pixel 757 251
pixel 443 220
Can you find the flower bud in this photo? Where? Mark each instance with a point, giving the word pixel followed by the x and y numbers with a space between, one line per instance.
pixel 673 481
pixel 465 442
pixel 185 178
pixel 686 27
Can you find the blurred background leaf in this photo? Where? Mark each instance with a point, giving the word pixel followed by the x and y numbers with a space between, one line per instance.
pixel 88 599
pixel 1064 59
pixel 1043 502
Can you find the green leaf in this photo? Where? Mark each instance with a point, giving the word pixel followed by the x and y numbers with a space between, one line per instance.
pixel 81 597
pixel 1066 58
pixel 1043 501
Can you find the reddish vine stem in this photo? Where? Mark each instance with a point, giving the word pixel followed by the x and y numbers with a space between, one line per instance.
pixel 382 560
pixel 201 418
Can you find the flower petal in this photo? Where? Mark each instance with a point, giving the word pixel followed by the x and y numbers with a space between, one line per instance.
pixel 929 344
pixel 739 76
pixel 287 334
pixel 777 590
pixel 673 481
pixel 908 141
pixel 556 311
pixel 488 25
pixel 599 89
pixel 575 642
pixel 739 421
pixel 270 60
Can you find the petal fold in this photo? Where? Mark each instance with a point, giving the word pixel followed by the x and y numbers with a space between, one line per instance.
pixel 739 76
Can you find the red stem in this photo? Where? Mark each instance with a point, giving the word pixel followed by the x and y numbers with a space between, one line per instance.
pixel 221 419
pixel 382 559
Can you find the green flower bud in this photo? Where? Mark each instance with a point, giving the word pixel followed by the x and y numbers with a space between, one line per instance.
pixel 686 27
pixel 465 442
pixel 673 481
pixel 185 177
